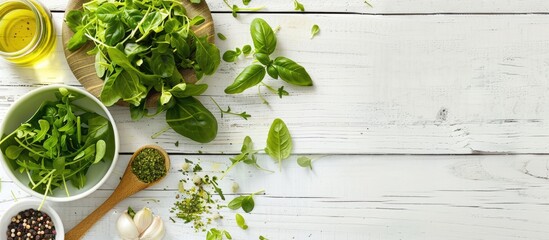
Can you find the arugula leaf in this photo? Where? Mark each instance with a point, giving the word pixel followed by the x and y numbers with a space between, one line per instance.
pixel 263 36
pixel 291 72
pixel 314 31
pixel 249 77
pixel 228 111
pixel 279 142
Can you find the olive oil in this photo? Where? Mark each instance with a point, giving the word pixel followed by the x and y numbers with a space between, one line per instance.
pixel 26 31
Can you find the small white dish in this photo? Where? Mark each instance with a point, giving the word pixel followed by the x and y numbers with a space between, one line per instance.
pixel 23 205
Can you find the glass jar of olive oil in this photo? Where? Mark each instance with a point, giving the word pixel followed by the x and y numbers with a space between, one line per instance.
pixel 26 31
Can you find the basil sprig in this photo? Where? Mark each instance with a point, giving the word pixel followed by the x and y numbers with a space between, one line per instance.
pixel 265 42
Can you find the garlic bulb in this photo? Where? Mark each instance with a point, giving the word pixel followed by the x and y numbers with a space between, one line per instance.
pixel 143 226
pixel 143 219
pixel 126 227
pixel 155 231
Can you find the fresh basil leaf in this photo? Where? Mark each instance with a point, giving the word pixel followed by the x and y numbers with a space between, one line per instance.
pixel 100 64
pixel 246 49
pixel 191 119
pixel 132 17
pixel 74 20
pixel 110 94
pixel 271 70
pixel 263 36
pixel 163 64
pixel 77 40
pixel 298 6
pixel 114 33
pixel 236 203
pixel 240 221
pixel 207 55
pixel 263 58
pixel 190 90
pixel 133 90
pixel 197 20
pixel 314 30
pixel 279 141
pixel 291 72
pixel 230 56
pixel 249 77
pixel 221 36
pixel 304 162
pixel 246 2
pixel 107 12
pixel 152 22
pixel 248 204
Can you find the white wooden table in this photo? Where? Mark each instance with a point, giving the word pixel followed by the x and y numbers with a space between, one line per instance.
pixel 428 118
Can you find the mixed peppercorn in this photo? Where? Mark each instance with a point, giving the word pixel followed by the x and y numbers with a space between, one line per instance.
pixel 31 224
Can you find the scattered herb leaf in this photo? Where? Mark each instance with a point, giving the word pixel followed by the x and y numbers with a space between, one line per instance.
pixel 279 142
pixel 304 162
pixel 240 221
pixel 314 31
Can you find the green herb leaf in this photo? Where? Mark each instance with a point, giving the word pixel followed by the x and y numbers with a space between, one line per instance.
pixel 77 40
pixel 207 56
pixel 107 12
pixel 291 72
pixel 191 119
pixel 304 162
pixel 298 6
pixel 263 36
pixel 230 56
pixel 248 204
pixel 263 238
pixel 246 2
pixel 221 36
pixel 246 49
pixel 74 20
pixel 279 141
pixel 164 64
pixel 240 221
pixel 100 150
pixel 236 203
pixel 314 30
pixel 249 77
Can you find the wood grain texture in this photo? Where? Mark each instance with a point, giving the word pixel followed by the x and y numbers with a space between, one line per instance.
pixel 379 6
pixel 354 197
pixel 392 84
pixel 82 64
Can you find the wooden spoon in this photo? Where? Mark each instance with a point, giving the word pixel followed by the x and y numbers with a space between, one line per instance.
pixel 128 186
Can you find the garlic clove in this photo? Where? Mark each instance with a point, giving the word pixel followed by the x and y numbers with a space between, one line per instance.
pixel 143 219
pixel 126 227
pixel 155 231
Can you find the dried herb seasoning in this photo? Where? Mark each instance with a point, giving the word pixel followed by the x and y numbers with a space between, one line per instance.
pixel 149 165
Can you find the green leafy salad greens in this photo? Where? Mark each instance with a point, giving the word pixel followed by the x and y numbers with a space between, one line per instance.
pixel 59 143
pixel 140 48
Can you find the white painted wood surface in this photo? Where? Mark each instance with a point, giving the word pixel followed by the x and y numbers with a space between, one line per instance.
pixel 403 82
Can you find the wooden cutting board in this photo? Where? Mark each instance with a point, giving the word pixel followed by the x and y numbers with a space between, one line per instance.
pixel 82 64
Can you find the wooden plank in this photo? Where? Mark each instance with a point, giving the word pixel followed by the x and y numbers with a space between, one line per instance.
pixel 392 84
pixel 355 197
pixel 379 6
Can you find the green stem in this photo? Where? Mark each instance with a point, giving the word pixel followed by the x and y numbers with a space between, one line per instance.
pixel 273 90
pixel 258 192
pixel 26 147
pixel 44 179
pixel 261 96
pixel 65 184
pixel 228 169
pixel 46 192
pixel 154 136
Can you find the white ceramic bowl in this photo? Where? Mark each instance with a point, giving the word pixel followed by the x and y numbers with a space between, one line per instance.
pixel 22 205
pixel 25 107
